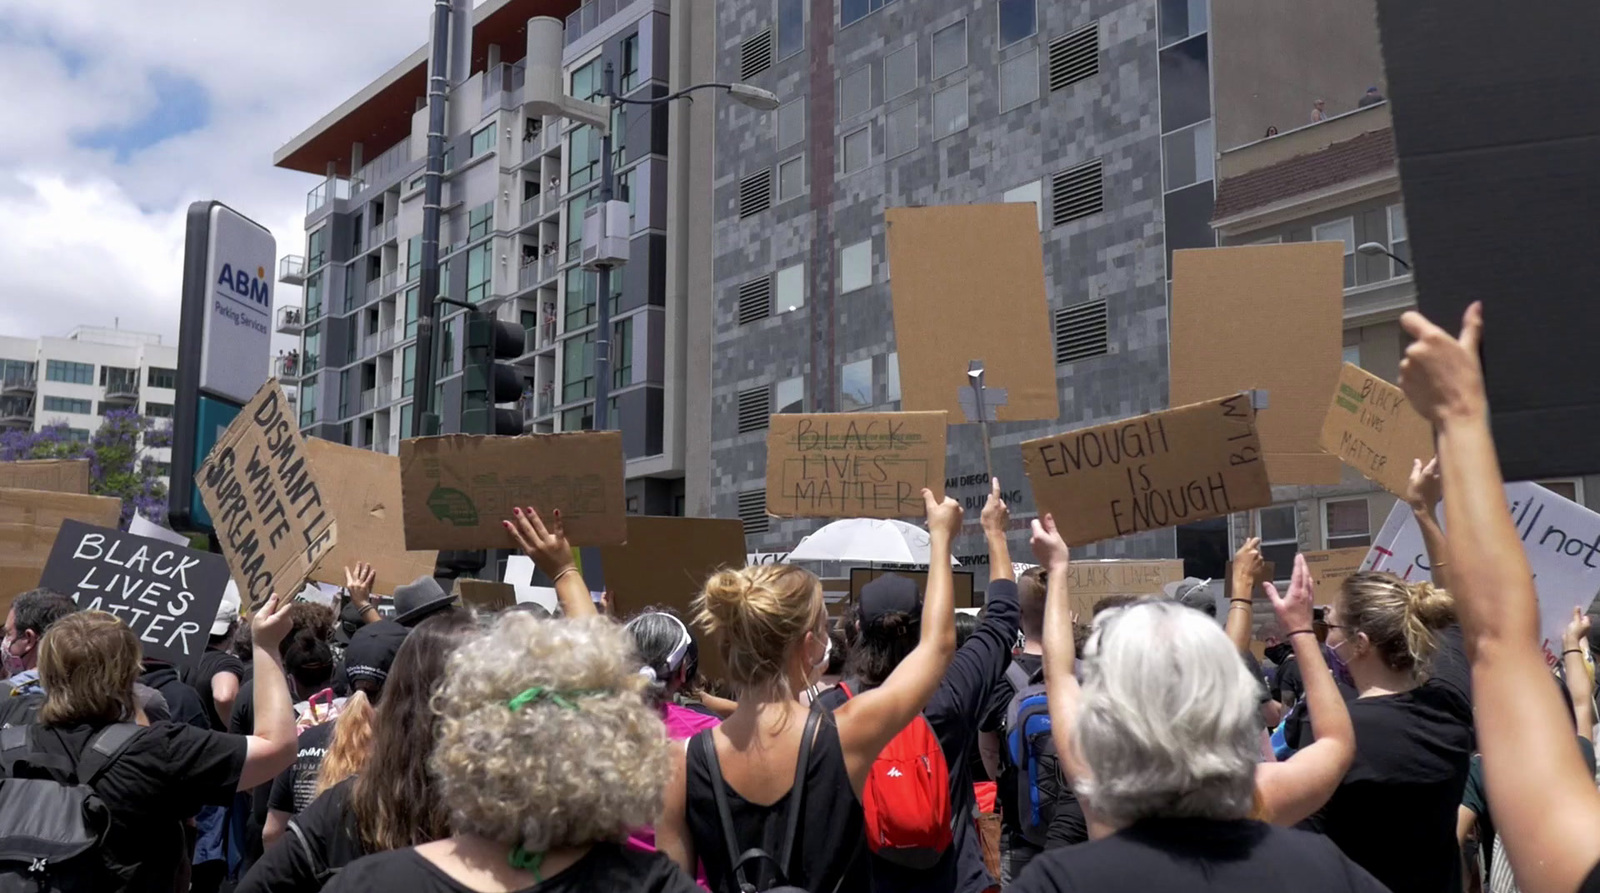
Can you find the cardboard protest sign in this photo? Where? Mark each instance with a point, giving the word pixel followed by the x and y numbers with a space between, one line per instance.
pixel 1329 568
pixel 1372 428
pixel 457 489
pixel 486 595
pixel 29 522
pixel 968 284
pixel 1090 581
pixel 666 562
pixel 1514 119
pixel 1560 538
pixel 1151 471
pixel 265 499
pixel 361 489
pixel 854 465
pixel 55 475
pixel 1222 298
pixel 964 584
pixel 166 593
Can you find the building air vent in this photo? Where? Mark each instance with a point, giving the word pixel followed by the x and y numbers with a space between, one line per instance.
pixel 1076 193
pixel 755 55
pixel 753 511
pixel 755 194
pixel 1081 332
pixel 755 405
pixel 755 300
pixel 1074 57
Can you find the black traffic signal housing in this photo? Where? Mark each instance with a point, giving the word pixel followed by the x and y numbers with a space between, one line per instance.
pixel 489 379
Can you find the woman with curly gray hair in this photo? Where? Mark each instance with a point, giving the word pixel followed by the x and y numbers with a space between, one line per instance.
pixel 547 755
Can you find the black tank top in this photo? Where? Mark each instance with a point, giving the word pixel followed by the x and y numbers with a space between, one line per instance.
pixel 829 847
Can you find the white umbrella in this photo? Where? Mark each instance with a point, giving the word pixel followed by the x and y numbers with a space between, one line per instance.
pixel 872 540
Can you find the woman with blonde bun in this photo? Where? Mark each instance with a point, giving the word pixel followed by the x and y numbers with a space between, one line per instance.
pixel 1394 813
pixel 789 778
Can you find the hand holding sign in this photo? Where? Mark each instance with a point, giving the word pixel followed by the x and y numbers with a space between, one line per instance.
pixel 996 516
pixel 1442 374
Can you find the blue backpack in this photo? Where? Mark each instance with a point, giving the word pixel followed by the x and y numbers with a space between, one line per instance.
pixel 1031 749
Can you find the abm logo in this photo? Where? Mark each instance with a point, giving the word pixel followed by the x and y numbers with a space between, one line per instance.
pixel 240 282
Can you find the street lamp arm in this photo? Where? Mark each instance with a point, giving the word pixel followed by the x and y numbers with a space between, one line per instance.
pixel 681 94
pixel 755 97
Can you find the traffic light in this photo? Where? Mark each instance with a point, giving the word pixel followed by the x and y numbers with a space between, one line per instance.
pixel 489 381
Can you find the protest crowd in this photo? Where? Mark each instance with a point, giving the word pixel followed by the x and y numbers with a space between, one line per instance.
pixel 1408 736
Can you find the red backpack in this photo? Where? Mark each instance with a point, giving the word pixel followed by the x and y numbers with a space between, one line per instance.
pixel 907 797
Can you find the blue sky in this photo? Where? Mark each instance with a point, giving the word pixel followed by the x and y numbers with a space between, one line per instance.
pixel 181 105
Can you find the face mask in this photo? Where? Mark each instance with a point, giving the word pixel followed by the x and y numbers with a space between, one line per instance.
pixel 13 663
pixel 821 666
pixel 1337 665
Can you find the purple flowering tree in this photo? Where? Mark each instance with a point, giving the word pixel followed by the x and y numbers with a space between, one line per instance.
pixel 115 466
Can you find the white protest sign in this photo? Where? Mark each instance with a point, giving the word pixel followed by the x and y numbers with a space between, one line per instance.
pixel 1560 538
pixel 139 525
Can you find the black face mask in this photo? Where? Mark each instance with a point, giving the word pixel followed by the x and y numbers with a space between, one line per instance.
pixel 1280 652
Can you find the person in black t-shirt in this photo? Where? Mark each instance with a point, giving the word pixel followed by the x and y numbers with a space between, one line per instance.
pixel 217 676
pixel 547 755
pixel 1165 761
pixel 88 663
pixel 1546 808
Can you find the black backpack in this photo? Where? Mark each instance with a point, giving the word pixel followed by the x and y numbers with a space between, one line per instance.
pixel 52 830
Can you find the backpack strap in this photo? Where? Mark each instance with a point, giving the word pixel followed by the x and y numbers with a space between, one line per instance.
pixel 719 791
pixel 1017 676
pixel 103 750
pixel 319 869
pixel 798 792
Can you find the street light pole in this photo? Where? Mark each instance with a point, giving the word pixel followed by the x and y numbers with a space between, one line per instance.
pixel 602 338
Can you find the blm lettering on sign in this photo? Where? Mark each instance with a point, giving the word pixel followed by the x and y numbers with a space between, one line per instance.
pixel 854 465
pixel 1150 472
pixel 259 486
pixel 167 594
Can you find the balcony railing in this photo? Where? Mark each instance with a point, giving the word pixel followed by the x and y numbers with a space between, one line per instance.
pixel 122 390
pixel 287 367
pixel 292 270
pixel 528 276
pixel 589 16
pixel 337 189
pixel 369 345
pixel 16 412
pixel 391 227
pixel 291 320
pixel 391 281
pixel 368 400
pixel 531 209
pixel 19 383
pixel 373 289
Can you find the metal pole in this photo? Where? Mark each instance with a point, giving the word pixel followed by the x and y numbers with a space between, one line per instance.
pixel 602 338
pixel 422 414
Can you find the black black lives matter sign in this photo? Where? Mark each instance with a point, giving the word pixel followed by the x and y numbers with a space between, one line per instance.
pixel 168 595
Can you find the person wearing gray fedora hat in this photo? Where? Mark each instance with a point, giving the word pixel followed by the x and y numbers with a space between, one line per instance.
pixel 420 599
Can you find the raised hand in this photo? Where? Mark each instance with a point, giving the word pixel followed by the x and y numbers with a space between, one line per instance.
pixel 271 624
pixel 546 545
pixel 1294 610
pixel 1248 567
pixel 1442 374
pixel 943 517
pixel 1577 631
pixel 1425 487
pixel 358 582
pixel 996 515
pixel 1049 549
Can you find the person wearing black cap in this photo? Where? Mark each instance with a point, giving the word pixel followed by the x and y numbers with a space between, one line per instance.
pixel 888 608
pixel 372 647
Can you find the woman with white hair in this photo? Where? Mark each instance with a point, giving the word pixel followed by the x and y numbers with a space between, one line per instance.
pixel 1162 746
pixel 547 755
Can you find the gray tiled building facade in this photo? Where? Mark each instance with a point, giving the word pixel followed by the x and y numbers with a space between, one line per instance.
pixel 935 102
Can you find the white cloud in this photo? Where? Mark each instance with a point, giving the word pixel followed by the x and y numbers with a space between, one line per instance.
pixel 85 238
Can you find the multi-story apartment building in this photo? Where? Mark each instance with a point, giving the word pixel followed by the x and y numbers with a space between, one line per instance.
pixel 516 188
pixel 77 379
pixel 1105 114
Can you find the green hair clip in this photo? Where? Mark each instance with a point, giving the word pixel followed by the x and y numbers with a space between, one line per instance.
pixel 540 693
pixel 523 860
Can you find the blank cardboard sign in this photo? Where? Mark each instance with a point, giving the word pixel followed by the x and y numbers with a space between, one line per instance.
pixel 1267 317
pixel 1497 151
pixel 1372 428
pixel 29 522
pixel 854 465
pixel 362 489
pixel 968 284
pixel 55 475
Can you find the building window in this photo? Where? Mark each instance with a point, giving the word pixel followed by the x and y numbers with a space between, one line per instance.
pixel 317 248
pixel 1028 192
pixel 480 221
pixel 950 110
pixel 575 211
pixel 1570 489
pixel 900 72
pixel 408 370
pixel 1280 538
pixel 314 297
pixel 789 395
pixel 900 130
pixel 67 404
pixel 578 418
pixel 630 62
pixel 309 412
pixel 1019 80
pixel 1340 231
pixel 482 141
pixel 950 49
pixel 162 469
pixel 1352 354
pixel 158 410
pixel 791 27
pixel 586 80
pixel 1185 83
pixel 857 150
pixel 891 378
pixel 855 93
pixel 159 377
pixel 69 372
pixel 852 11
pixel 1182 18
pixel 791 178
pixel 791 122
pixel 577 368
pixel 1399 242
pixel 78 435
pixel 581 289
pixel 412 295
pixel 1346 524
pixel 478 272
pixel 583 159
pixel 855 266
pixel 447 347
pixel 1190 155
pixel 413 259
pixel 855 386
pixel 405 420
pixel 791 283
pixel 622 353
pixel 1019 20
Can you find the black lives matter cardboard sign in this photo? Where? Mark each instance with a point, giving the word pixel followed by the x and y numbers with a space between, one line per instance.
pixel 259 486
pixel 854 465
pixel 1150 472
pixel 167 594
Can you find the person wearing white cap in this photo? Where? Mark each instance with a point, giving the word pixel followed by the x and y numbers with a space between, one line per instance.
pixel 216 677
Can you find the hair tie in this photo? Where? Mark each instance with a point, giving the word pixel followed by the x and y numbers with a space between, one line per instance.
pixel 523 860
pixel 540 693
